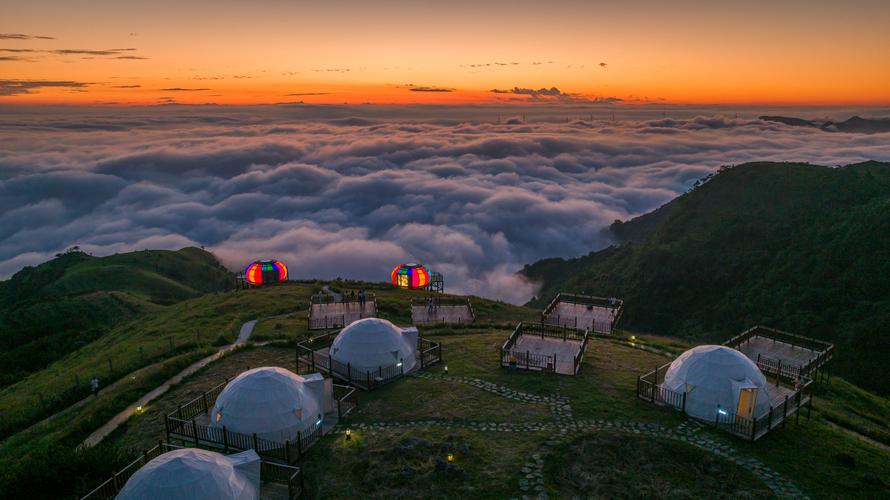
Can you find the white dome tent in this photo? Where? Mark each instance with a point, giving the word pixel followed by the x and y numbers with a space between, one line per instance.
pixel 273 403
pixel 193 474
pixel 718 381
pixel 371 343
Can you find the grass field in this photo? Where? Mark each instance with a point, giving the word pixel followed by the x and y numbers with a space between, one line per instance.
pixel 427 418
pixel 495 420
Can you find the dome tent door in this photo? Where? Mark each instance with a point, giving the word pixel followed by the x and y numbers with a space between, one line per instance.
pixel 747 400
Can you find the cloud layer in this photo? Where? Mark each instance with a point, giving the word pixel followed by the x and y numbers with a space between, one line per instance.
pixel 350 192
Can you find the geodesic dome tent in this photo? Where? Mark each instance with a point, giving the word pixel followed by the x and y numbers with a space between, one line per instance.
pixel 265 272
pixel 272 402
pixel 371 343
pixel 193 474
pixel 718 380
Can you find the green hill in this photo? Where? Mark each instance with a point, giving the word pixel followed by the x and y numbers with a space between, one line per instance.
pixel 796 246
pixel 51 309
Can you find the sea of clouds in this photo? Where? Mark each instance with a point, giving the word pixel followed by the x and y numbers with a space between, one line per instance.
pixel 350 191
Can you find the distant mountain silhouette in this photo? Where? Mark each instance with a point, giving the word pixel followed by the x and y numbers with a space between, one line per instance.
pixel 854 125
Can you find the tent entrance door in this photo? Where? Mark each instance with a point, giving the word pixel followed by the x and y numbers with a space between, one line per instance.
pixel 404 281
pixel 747 398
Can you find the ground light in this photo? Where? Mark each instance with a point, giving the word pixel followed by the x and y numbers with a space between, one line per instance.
pixel 139 410
pixel 348 434
pixel 446 369
pixel 450 457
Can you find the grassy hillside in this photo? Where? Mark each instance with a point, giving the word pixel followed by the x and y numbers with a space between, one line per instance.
pixel 799 247
pixel 51 309
pixel 141 359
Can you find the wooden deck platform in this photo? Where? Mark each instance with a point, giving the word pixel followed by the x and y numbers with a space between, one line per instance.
pixel 444 314
pixel 759 348
pixel 563 351
pixel 339 314
pixel 583 316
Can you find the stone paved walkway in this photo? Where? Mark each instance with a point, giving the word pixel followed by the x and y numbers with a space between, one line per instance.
pixel 564 428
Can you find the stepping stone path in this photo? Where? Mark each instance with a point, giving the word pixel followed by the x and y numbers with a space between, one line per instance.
pixel 564 427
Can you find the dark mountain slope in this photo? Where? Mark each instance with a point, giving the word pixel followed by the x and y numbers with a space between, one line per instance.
pixel 799 247
pixel 51 309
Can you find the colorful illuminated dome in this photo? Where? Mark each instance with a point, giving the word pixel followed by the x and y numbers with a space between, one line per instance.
pixel 265 272
pixel 410 276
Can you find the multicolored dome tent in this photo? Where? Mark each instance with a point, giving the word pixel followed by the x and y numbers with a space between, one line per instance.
pixel 265 272
pixel 410 276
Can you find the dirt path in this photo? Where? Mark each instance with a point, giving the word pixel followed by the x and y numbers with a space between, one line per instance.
pixel 102 432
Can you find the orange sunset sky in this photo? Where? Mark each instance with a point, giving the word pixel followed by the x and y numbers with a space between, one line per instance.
pixel 228 52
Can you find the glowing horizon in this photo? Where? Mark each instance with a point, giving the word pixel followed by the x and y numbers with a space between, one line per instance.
pixel 398 52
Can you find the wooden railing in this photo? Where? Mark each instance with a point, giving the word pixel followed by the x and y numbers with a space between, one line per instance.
pixel 824 350
pixel 517 358
pixel 310 358
pixel 182 426
pixel 442 301
pixel 649 388
pixel 602 326
pixel 330 322
pixel 269 472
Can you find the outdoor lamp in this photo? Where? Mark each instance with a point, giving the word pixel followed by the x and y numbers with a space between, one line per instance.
pixel 348 434
pixel 446 369
pixel 451 457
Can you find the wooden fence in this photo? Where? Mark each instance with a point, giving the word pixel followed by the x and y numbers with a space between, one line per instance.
pixel 517 358
pixel 269 472
pixel 313 355
pixel 334 321
pixel 442 301
pixel 649 389
pixel 182 426
pixel 824 351
pixel 602 327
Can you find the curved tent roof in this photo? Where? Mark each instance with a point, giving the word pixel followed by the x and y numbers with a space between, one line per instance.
pixel 370 343
pixel 712 377
pixel 264 272
pixel 272 402
pixel 193 474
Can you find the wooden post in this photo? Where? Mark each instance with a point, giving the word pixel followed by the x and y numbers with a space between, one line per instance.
pixel 770 423
pixel 170 339
pixel 527 359
pixel 287 449
pixel 179 411
pixel 255 444
pixel 784 411
pixel 195 431
pixel 204 398
pixel 753 428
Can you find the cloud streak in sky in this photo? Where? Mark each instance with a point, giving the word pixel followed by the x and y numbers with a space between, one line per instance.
pixel 351 191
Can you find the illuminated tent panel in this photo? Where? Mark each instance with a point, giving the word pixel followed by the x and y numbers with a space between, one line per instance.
pixel 410 276
pixel 264 272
